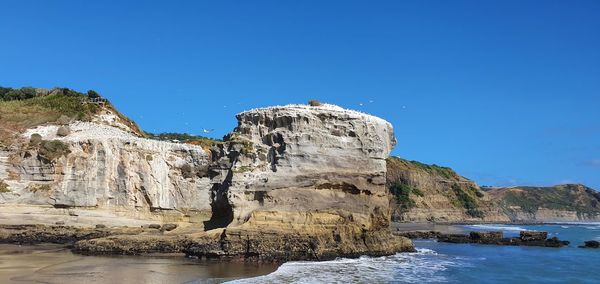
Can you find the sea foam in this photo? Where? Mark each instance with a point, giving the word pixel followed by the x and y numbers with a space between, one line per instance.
pixel 423 266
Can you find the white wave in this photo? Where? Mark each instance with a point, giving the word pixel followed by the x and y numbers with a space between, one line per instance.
pixel 565 227
pixel 423 266
pixel 575 223
pixel 497 227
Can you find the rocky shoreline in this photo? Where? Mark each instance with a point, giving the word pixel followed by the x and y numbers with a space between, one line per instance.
pixel 526 238
pixel 221 244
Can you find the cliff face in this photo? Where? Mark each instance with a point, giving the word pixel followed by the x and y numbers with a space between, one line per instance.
pixel 104 167
pixel 302 165
pixel 569 202
pixel 312 174
pixel 430 193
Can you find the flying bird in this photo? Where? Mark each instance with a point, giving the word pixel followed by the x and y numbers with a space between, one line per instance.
pixel 207 130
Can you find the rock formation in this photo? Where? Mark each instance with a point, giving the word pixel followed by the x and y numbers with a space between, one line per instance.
pixel 302 165
pixel 291 182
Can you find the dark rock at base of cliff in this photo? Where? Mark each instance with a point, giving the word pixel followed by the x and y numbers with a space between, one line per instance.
pixel 265 246
pixel 418 234
pixel 168 227
pixel 591 244
pixel 132 245
pixel 35 234
pixel 526 238
pixel 486 236
pixel 533 236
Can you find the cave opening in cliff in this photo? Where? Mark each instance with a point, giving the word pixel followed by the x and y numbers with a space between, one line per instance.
pixel 222 212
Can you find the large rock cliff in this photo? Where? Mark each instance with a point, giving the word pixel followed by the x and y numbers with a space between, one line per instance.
pixel 298 165
pixel 312 175
pixel 105 168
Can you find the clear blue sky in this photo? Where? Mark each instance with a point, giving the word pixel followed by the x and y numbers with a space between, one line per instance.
pixel 505 92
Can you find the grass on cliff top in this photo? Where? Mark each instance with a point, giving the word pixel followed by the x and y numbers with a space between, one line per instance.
pixel 18 115
pixel 434 169
pixel 28 107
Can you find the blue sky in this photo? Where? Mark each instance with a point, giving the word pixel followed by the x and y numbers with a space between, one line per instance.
pixel 505 92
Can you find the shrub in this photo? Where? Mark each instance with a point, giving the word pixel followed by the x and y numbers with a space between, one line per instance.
pixel 314 103
pixel 3 187
pixel 63 131
pixel 35 139
pixel 63 120
pixel 53 149
pixel 93 94
pixel 402 193
pixel 466 201
pixel 39 187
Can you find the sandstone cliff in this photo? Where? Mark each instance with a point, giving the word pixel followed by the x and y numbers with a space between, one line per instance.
pixel 561 203
pixel 430 193
pixel 314 175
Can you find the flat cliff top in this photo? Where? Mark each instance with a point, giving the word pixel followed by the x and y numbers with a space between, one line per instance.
pixel 324 108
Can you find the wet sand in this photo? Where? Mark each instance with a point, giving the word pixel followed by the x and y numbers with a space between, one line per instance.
pixel 49 263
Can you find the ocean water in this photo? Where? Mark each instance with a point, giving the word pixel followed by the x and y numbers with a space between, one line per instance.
pixel 461 263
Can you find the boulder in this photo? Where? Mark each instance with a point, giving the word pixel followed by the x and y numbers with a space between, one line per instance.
pixel 591 244
pixel 527 236
pixel 484 236
pixel 168 227
pixel 63 131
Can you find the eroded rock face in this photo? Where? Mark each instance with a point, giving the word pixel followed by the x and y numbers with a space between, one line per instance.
pixel 107 168
pixel 301 165
pixel 293 182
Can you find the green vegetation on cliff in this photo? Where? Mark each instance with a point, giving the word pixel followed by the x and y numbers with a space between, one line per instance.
pixel 29 107
pixel 464 200
pixel 433 169
pixel 441 188
pixel 184 138
pixel 403 192
pixel 3 187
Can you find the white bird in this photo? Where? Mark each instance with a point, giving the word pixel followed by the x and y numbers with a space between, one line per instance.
pixel 207 130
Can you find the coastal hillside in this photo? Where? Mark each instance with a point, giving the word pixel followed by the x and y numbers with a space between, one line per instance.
pixel 431 193
pixel 568 202
pixel 27 107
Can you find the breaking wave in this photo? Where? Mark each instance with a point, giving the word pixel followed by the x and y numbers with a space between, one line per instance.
pixel 497 227
pixel 425 265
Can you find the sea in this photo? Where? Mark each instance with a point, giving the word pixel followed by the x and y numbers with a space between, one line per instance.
pixel 461 263
pixel 432 263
